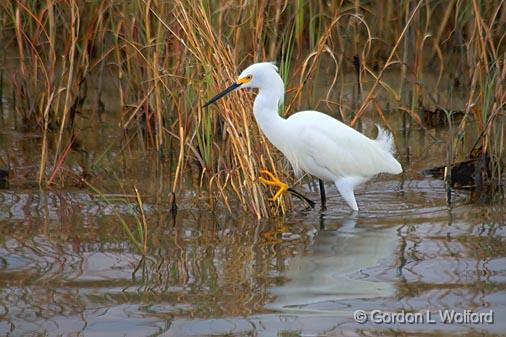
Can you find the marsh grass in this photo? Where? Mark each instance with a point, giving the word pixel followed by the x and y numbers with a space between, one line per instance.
pixel 165 59
pixel 138 235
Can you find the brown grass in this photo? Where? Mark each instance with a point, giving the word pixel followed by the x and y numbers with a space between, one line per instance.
pixel 166 58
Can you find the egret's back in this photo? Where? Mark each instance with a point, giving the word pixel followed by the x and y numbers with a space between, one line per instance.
pixel 329 149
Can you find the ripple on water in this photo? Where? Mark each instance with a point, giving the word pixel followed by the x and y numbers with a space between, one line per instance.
pixel 67 265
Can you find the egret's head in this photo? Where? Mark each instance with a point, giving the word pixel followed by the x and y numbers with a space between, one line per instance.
pixel 258 75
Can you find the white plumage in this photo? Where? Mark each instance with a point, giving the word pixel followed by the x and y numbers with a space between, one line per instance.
pixel 314 142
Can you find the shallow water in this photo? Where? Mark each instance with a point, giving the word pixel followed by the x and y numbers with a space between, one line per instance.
pixel 67 267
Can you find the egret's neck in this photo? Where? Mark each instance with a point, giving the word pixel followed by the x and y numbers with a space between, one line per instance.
pixel 266 113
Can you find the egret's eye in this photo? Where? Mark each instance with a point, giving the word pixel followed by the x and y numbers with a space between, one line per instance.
pixel 245 79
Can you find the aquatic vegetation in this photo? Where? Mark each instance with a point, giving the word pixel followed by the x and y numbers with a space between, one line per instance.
pixel 161 60
pixel 139 236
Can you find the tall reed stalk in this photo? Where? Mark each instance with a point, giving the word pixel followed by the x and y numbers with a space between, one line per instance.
pixel 164 59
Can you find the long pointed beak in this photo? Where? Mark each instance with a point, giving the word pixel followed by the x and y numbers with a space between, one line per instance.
pixel 223 93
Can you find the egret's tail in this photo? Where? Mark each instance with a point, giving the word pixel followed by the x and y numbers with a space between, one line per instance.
pixel 385 139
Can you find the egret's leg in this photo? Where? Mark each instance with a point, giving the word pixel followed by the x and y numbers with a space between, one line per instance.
pixel 283 187
pixel 273 181
pixel 345 187
pixel 310 202
pixel 322 194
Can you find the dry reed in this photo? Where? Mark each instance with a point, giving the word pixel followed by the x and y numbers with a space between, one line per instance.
pixel 166 58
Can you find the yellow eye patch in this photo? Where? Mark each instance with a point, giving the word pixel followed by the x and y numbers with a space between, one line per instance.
pixel 244 79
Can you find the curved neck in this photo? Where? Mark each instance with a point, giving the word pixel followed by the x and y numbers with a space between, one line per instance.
pixel 265 109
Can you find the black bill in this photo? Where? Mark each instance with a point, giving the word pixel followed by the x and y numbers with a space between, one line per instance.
pixel 223 93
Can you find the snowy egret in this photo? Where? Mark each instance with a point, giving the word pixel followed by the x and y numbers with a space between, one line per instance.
pixel 313 141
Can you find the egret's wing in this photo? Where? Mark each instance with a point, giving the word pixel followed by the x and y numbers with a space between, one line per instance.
pixel 333 146
pixel 341 155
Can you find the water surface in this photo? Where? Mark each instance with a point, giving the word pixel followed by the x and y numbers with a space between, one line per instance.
pixel 68 268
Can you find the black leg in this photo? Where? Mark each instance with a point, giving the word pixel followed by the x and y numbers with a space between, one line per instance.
pixel 322 195
pixel 310 202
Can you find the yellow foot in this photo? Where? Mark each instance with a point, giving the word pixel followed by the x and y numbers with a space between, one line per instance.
pixel 273 181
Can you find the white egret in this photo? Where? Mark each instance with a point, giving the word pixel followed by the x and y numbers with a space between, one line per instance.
pixel 312 141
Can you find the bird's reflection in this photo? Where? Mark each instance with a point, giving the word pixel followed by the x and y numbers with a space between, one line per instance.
pixel 349 221
pixel 324 274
